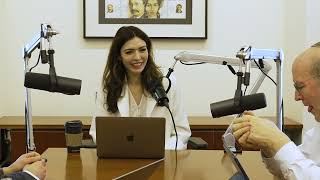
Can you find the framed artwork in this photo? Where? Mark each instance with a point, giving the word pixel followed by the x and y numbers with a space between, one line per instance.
pixel 158 18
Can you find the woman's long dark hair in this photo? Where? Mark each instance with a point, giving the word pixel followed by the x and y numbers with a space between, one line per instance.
pixel 115 73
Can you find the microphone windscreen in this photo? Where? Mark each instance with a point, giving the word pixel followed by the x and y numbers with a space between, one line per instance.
pixel 37 81
pixel 64 85
pixel 228 107
pixel 253 102
pixel 68 85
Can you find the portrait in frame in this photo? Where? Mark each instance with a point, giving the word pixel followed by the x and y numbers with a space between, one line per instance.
pixel 158 18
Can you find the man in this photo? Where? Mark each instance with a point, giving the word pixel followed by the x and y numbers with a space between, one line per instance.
pixel 28 166
pixel 109 8
pixel 281 156
pixel 136 8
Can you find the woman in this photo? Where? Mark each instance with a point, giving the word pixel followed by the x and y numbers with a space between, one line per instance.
pixel 127 83
pixel 179 8
pixel 152 9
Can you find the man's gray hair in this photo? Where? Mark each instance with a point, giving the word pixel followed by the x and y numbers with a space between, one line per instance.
pixel 316 44
pixel 315 70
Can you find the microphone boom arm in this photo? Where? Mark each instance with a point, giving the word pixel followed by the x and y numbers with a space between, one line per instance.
pixel 31 46
pixel 194 57
pixel 46 32
pixel 246 54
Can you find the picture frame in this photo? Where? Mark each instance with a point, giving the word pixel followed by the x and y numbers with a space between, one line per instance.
pixel 102 18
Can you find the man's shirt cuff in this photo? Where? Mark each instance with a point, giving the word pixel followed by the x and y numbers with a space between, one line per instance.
pixel 30 173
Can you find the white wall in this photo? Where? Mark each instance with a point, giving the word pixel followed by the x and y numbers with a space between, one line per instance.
pixel 231 24
pixel 2 86
pixel 312 36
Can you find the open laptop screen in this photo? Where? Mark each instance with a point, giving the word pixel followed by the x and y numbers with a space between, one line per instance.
pixel 241 174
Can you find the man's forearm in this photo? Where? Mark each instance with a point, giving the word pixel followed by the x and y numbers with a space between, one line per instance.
pixel 276 143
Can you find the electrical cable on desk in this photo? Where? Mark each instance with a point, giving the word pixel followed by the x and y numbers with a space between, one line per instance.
pixel 176 165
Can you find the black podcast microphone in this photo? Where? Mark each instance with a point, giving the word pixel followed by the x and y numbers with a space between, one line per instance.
pixel 228 107
pixel 63 85
pixel 159 94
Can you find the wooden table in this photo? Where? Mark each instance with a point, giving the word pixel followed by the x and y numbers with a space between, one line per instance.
pixel 190 164
pixel 49 130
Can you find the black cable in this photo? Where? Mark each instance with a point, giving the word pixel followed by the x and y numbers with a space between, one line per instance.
pixel 174 126
pixel 282 114
pixel 191 63
pixel 245 90
pixel 36 64
pixel 231 69
pixel 264 72
pixel 176 165
pixel 169 85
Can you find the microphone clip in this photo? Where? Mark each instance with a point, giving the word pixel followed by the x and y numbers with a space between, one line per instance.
pixel 45 42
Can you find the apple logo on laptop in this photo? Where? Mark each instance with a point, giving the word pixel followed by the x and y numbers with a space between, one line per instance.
pixel 130 138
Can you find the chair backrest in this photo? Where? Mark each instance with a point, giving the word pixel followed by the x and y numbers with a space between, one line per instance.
pixel 5 147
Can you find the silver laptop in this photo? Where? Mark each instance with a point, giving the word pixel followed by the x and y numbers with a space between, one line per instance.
pixel 240 174
pixel 130 137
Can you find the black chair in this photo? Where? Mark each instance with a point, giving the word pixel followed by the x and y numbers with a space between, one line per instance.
pixel 197 143
pixel 5 147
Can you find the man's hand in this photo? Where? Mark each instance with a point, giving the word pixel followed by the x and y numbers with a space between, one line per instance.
pixel 241 131
pixel 21 162
pixel 37 168
pixel 251 131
